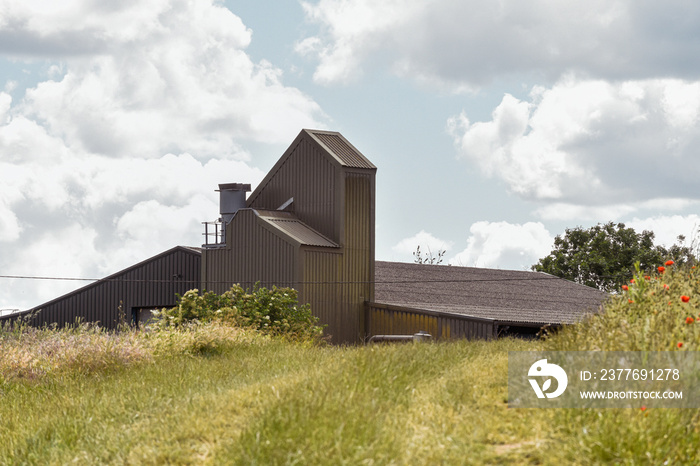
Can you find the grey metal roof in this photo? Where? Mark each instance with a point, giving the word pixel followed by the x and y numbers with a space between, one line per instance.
pixel 341 149
pixel 289 225
pixel 503 295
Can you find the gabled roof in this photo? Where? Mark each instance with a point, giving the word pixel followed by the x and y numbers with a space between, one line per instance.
pixel 118 276
pixel 333 144
pixel 508 296
pixel 339 147
pixel 290 226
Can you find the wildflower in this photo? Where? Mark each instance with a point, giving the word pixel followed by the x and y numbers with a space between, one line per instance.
pixel 685 298
pixel 680 344
pixel 661 269
pixel 647 277
pixel 689 320
pixel 625 287
pixel 630 301
pixel 643 408
pixel 666 287
pixel 669 262
pixel 632 281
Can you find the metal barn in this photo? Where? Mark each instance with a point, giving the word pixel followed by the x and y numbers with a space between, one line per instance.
pixel 128 295
pixel 308 225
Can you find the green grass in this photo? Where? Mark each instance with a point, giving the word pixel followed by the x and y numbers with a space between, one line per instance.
pixel 274 402
pixel 213 394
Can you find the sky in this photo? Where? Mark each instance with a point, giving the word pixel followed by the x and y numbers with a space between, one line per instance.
pixel 494 125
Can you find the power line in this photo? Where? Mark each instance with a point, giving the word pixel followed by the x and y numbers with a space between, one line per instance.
pixel 361 282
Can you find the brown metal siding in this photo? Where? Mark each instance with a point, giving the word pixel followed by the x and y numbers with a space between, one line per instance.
pixel 342 149
pixel 383 319
pixel 152 283
pixel 357 264
pixel 252 254
pixel 308 176
pixel 321 289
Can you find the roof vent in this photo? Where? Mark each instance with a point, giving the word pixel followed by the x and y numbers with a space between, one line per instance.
pixel 231 199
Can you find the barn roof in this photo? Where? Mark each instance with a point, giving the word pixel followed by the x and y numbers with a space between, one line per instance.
pixel 331 144
pixel 336 145
pixel 291 227
pixel 508 296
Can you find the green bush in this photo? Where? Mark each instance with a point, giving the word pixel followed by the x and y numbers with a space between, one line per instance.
pixel 273 311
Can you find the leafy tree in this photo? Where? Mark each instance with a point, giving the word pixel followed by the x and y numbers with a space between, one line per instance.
pixel 604 256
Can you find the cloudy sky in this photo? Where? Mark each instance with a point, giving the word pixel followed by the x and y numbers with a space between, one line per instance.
pixel 494 125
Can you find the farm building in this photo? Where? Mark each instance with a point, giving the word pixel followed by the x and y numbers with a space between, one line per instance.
pixel 126 296
pixel 310 225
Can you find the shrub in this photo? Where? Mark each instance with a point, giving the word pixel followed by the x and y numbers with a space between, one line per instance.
pixel 273 311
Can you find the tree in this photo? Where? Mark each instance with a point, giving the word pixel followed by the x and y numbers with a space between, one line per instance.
pixel 604 256
pixel 429 258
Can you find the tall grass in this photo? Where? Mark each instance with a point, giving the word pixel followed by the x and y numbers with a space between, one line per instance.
pixel 657 312
pixel 650 314
pixel 218 394
pixel 30 353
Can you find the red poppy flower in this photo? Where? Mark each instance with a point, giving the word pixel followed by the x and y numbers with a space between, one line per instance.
pixel 643 408
pixel 669 262
pixel 661 269
pixel 625 287
pixel 680 344
pixel 666 287
pixel 632 281
pixel 647 277
pixel 685 298
pixel 689 320
pixel 630 301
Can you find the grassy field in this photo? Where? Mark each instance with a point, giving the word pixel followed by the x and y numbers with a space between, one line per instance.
pixel 214 394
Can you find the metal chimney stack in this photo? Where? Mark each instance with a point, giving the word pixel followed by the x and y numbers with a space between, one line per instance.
pixel 231 198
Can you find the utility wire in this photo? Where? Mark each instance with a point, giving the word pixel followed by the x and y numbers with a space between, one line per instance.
pixel 176 279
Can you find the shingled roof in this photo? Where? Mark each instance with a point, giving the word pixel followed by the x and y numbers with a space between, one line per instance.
pixel 507 296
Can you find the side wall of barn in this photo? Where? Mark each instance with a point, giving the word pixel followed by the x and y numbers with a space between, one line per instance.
pixel 150 284
pixel 252 254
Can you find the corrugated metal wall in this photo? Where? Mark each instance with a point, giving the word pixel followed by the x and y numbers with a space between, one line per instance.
pixel 152 283
pixel 310 178
pixel 334 199
pixel 252 254
pixel 321 288
pixel 385 319
pixel 357 264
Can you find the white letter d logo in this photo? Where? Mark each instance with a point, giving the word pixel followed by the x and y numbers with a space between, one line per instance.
pixel 541 368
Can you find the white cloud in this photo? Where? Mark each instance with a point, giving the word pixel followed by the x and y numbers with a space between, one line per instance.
pixel 569 212
pixel 120 210
pixel 9 225
pixel 667 228
pixel 468 43
pixel 180 83
pixel 591 142
pixel 505 245
pixel 60 251
pixel 147 107
pixel 574 212
pixel 428 244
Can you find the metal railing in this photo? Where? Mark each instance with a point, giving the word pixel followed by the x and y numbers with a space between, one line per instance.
pixel 215 231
